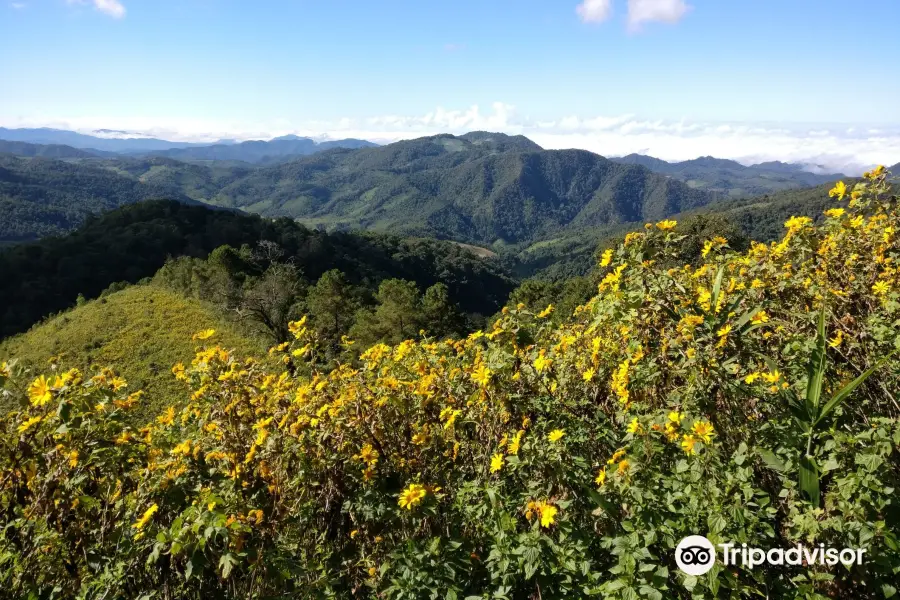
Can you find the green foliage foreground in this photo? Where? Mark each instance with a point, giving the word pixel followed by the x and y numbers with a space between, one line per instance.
pixel 536 460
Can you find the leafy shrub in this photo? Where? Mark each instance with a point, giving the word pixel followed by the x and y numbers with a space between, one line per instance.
pixel 531 461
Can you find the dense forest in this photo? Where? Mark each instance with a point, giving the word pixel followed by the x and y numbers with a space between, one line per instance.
pixel 134 242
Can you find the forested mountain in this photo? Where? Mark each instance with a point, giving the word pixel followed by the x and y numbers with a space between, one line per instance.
pixel 41 197
pixel 132 243
pixel 481 188
pixel 730 179
pixel 271 152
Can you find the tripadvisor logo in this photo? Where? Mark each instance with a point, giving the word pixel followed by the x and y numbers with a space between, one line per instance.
pixel 696 555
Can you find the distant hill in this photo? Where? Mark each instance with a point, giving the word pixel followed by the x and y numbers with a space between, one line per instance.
pixel 479 188
pixel 730 179
pixel 41 197
pixel 46 135
pixel 895 171
pixel 133 242
pixel 142 330
pixel 275 151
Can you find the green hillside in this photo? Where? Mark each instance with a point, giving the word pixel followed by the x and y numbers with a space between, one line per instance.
pixel 142 331
pixel 483 189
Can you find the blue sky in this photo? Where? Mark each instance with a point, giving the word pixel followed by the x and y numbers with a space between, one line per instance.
pixel 241 67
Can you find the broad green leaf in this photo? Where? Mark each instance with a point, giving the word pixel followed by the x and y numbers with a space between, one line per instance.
pixel 772 461
pixel 809 479
pixel 845 391
pixel 815 370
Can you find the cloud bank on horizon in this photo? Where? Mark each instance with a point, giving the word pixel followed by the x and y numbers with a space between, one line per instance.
pixel 844 148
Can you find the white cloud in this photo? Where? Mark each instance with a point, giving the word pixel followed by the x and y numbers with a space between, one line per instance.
pixel 17 5
pixel 645 11
pixel 594 11
pixel 850 148
pixel 113 8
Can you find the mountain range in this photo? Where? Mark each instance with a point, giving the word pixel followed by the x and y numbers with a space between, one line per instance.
pixel 275 151
pixel 731 179
pixel 484 189
pixel 255 151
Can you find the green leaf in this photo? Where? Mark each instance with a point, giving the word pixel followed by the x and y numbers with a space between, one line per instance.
pixel 845 391
pixel 717 288
pixel 815 371
pixel 888 590
pixel 746 318
pixel 226 564
pixel 717 523
pixel 772 461
pixel 809 479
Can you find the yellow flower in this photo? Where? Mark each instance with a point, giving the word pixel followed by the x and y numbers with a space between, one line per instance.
pixel 724 331
pixel 514 444
pixel 606 258
pixel 546 312
pixel 834 213
pixel 703 430
pixel 542 363
pixel 412 495
pixel 419 439
pixel 29 423
pixel 837 339
pixel 676 417
pixel 588 375
pixel 148 514
pixel 204 335
pixel 880 288
pixel 167 417
pixel 481 375
pixel 601 477
pixel 838 191
pixel 794 224
pixel 623 467
pixel 548 515
pixel 666 225
pixel 752 377
pixel 635 426
pixel 496 462
pixel 687 444
pixel 556 435
pixel 39 392
pixel 448 415
pixel 772 377
pixel 617 455
pixel 760 318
